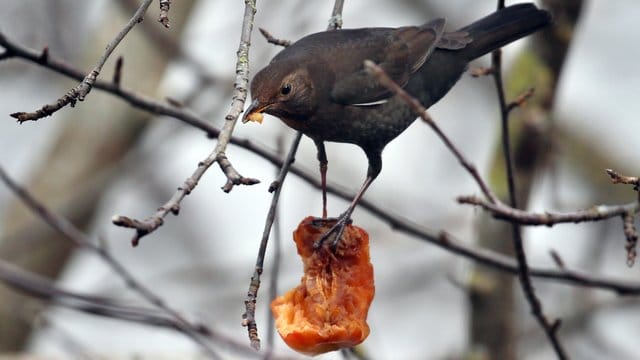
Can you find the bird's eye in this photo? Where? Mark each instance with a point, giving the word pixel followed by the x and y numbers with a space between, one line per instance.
pixel 285 89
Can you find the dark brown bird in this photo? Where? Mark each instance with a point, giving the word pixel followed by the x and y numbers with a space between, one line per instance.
pixel 318 85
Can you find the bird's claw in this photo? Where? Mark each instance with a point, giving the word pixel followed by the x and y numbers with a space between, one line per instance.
pixel 337 228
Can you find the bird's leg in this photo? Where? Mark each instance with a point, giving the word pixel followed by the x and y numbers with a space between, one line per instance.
pixel 323 181
pixel 374 155
pixel 322 158
pixel 343 219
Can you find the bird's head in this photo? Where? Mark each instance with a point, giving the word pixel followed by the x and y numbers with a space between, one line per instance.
pixel 283 89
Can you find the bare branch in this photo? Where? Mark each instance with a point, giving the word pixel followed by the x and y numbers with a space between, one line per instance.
pixel 484 256
pixel 233 177
pixel 144 227
pixel 520 100
pixel 83 89
pixel 623 179
pixel 117 72
pixel 272 40
pixel 550 327
pixel 557 259
pixel 503 211
pixel 134 99
pixel 248 318
pixel 420 110
pixel 45 289
pixel 276 258
pixel 237 101
pixel 504 263
pixel 218 154
pixel 67 229
pixel 488 258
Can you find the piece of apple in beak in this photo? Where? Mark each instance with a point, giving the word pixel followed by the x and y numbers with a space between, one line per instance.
pixel 254 112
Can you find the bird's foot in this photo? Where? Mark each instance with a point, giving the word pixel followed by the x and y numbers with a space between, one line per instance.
pixel 334 233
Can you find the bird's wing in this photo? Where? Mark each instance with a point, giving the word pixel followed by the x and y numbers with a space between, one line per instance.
pixel 406 50
pixel 454 40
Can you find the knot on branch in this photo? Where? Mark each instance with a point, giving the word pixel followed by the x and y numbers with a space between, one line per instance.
pixel 233 176
pixel 616 178
pixel 142 228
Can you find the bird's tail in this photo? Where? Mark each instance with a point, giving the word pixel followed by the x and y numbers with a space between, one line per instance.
pixel 502 27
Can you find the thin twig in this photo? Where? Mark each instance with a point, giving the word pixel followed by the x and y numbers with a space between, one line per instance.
pixel 384 79
pixel 67 229
pixel 503 211
pixel 420 110
pixel 137 100
pixel 557 259
pixel 172 110
pixel 272 40
pixel 170 47
pixel 117 72
pixel 248 318
pixel 82 90
pixel 487 257
pixel 254 285
pixel 145 227
pixel 276 259
pixel 550 328
pixel 47 290
pixel 628 221
pixel 628 218
pixel 622 179
pixel 134 99
pixel 520 100
pixel 237 102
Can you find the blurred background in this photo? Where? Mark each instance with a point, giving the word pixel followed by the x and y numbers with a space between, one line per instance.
pixel 104 157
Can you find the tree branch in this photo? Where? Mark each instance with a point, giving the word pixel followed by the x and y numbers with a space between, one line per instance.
pixel 134 99
pixel 67 229
pixel 272 40
pixel 82 90
pixel 503 211
pixel 45 289
pixel 550 328
pixel 248 318
pixel 145 227
pixel 624 179
pixel 421 111
pixel 486 257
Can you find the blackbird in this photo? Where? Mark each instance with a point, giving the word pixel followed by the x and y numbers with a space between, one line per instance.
pixel 319 86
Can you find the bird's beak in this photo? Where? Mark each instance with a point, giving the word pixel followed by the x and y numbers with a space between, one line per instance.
pixel 254 112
